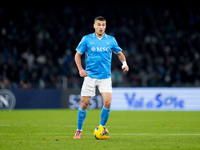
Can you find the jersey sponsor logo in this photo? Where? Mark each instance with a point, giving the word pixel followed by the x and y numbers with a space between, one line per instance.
pixel 100 49
pixel 7 99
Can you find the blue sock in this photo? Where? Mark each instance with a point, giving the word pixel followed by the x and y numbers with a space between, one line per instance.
pixel 105 112
pixel 81 117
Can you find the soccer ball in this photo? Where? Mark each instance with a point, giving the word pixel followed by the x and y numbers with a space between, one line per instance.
pixel 101 133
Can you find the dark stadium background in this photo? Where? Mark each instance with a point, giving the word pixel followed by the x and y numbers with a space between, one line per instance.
pixel 161 40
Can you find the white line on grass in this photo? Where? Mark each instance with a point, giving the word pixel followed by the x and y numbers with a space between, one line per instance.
pixel 130 134
pixel 88 126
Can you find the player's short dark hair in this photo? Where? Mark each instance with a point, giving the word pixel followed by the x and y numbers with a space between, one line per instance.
pixel 100 18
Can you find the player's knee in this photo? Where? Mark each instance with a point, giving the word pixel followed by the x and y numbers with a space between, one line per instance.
pixel 107 104
pixel 84 105
pixel 85 102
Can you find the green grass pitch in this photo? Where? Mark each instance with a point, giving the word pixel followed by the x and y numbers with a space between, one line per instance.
pixel 53 129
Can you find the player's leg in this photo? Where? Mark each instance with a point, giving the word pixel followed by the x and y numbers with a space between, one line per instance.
pixel 82 111
pixel 105 88
pixel 105 112
pixel 88 90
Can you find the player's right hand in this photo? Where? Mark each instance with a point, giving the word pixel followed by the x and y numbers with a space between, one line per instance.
pixel 83 73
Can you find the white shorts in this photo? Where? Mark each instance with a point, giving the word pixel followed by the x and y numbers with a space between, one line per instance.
pixel 89 86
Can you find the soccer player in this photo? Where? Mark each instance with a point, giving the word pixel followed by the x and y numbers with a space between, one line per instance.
pixel 98 48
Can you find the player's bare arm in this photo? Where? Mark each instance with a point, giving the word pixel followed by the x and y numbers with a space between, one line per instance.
pixel 77 58
pixel 122 58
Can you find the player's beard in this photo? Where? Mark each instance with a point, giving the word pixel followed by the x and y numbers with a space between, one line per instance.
pixel 100 33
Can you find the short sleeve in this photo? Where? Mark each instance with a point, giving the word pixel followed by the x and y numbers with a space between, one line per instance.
pixel 115 46
pixel 82 45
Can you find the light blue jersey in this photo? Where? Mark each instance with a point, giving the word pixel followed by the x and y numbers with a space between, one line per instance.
pixel 98 54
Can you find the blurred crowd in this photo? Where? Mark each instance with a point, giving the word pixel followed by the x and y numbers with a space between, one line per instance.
pixel 161 43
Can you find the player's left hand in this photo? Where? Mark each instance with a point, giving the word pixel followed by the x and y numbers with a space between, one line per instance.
pixel 125 66
pixel 125 69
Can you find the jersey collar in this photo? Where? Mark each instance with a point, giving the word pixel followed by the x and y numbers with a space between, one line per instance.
pixel 105 35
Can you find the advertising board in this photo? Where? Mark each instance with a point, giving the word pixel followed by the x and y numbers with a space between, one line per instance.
pixel 175 99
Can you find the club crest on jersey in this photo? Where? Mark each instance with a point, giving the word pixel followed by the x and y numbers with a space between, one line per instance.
pixel 93 49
